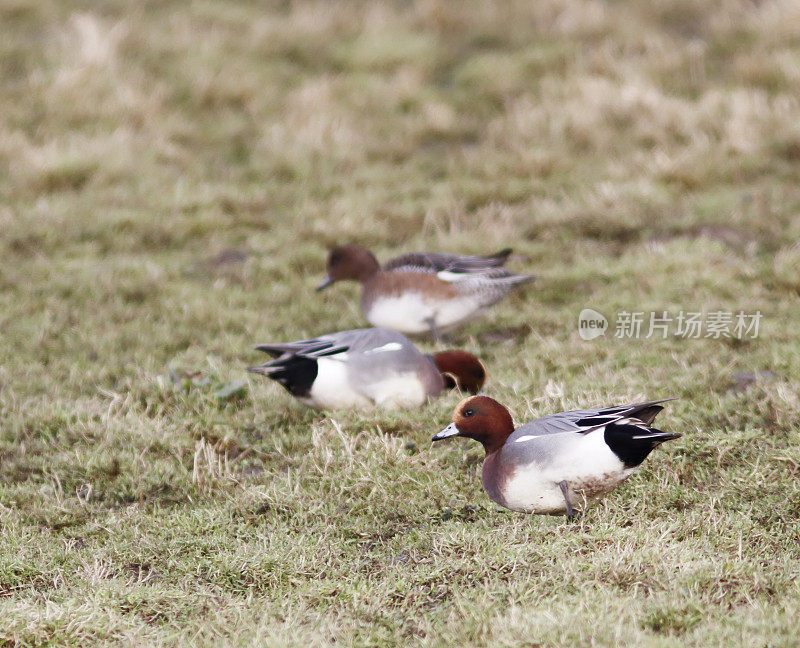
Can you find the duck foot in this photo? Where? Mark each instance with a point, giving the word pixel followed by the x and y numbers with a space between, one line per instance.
pixel 571 512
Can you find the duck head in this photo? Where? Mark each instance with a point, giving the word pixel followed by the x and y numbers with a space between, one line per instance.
pixel 460 370
pixel 351 261
pixel 480 418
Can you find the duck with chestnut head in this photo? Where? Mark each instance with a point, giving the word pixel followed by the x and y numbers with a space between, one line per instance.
pixel 368 367
pixel 561 463
pixel 421 292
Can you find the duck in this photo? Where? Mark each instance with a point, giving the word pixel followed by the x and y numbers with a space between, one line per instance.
pixel 562 463
pixel 365 368
pixel 423 292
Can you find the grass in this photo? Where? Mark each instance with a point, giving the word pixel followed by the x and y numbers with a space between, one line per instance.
pixel 172 176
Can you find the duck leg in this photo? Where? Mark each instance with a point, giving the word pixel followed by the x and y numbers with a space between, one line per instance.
pixel 565 492
pixel 431 321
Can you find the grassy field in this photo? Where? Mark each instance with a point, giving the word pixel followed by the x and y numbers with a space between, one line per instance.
pixel 171 176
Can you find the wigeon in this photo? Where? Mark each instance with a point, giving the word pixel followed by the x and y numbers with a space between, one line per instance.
pixel 422 292
pixel 367 367
pixel 561 462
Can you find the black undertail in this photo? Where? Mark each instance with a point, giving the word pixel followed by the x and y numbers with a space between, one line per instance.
pixel 295 373
pixel 632 443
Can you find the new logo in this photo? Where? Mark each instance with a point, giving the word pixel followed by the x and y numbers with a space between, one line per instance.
pixel 591 324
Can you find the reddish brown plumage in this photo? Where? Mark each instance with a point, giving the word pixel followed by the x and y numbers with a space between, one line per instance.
pixel 391 284
pixel 485 420
pixel 461 369
pixel 352 261
pixel 495 478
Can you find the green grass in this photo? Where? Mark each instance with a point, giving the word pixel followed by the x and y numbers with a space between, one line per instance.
pixel 171 176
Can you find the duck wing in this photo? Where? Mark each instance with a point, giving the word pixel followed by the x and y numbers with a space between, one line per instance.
pixel 586 420
pixel 357 341
pixel 438 261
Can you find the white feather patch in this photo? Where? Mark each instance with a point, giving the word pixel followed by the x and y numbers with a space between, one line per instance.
pixel 332 388
pixel 390 346
pixel 446 275
pixel 634 422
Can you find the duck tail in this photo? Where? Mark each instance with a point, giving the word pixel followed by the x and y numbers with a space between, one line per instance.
pixel 632 442
pixel 515 280
pixel 266 369
pixel 295 373
pixel 657 437
pixel 501 257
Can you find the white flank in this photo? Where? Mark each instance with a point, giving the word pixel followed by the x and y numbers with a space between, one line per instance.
pixel 401 390
pixel 585 462
pixel 332 388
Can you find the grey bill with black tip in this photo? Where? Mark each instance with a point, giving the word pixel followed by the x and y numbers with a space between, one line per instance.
pixel 450 431
pixel 327 281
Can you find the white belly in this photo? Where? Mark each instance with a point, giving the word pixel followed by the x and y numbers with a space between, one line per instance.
pixel 455 311
pixel 586 464
pixel 411 312
pixel 531 493
pixel 407 313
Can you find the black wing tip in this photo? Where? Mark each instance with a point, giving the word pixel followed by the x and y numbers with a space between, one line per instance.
pixel 264 347
pixel 299 347
pixel 270 349
pixel 334 350
pixel 647 412
pixel 657 437
pixel 644 404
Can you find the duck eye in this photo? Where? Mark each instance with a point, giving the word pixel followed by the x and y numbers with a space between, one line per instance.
pixel 469 412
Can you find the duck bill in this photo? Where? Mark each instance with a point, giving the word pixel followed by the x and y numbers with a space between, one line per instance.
pixel 327 281
pixel 450 431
